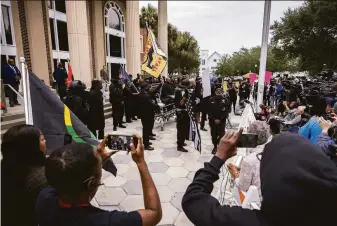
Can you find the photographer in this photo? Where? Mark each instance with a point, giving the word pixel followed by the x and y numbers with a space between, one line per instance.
pixel 75 172
pixel 298 186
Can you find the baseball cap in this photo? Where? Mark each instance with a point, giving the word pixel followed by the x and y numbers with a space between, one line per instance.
pixel 330 101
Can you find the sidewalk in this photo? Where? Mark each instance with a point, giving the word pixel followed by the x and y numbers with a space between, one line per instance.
pixel 172 172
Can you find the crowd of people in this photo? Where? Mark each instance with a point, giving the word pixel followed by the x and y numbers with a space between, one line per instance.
pixel 293 166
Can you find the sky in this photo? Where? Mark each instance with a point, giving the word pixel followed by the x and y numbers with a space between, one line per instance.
pixel 223 26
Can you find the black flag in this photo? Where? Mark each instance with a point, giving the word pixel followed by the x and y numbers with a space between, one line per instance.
pixel 57 123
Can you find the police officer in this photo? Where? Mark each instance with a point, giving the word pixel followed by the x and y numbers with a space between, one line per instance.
pixel 146 114
pixel 218 112
pixel 117 102
pixel 183 119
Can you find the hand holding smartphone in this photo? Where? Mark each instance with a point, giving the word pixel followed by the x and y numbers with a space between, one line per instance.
pixel 121 142
pixel 247 140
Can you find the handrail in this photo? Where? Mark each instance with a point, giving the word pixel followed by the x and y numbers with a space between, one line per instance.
pixel 12 88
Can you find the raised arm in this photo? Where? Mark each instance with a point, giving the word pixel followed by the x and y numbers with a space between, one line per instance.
pixel 152 213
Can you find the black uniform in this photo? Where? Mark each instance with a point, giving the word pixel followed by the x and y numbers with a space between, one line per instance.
pixel 244 91
pixel 232 93
pixel 183 119
pixel 96 120
pixel 146 114
pixel 218 110
pixel 117 102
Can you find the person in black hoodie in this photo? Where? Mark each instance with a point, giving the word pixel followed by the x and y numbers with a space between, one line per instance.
pixel 96 120
pixel 298 186
pixel 76 100
pixel 147 113
pixel 117 103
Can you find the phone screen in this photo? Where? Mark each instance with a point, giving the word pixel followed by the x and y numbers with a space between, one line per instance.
pixel 121 142
pixel 247 140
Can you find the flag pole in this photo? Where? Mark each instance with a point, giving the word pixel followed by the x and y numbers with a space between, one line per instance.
pixel 263 56
pixel 26 92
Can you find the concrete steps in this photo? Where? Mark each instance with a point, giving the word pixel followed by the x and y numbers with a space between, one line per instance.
pixel 9 120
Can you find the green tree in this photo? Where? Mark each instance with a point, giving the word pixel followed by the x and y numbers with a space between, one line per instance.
pixel 225 68
pixel 149 15
pixel 183 48
pixel 308 35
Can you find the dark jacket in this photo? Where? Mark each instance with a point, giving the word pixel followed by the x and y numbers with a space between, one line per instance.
pixel 147 106
pixel 178 96
pixel 232 92
pixel 298 186
pixel 96 110
pixel 116 94
pixel 60 76
pixel 79 106
pixel 9 75
pixel 218 108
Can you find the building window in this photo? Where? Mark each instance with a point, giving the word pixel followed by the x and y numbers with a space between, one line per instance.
pixel 114 26
pixel 62 34
pixel 203 62
pixel 60 6
pixel 141 44
pixel 7 25
pixel 58 30
pixel 52 34
pixel 8 48
pixel 214 60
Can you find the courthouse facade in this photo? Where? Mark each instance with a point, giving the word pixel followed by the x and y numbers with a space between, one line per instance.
pixel 90 33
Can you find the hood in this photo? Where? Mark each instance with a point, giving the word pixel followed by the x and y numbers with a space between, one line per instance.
pixel 298 182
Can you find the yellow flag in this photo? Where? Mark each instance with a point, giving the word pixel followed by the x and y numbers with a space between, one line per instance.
pixel 155 59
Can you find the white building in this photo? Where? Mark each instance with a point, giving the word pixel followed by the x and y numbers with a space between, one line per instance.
pixel 209 61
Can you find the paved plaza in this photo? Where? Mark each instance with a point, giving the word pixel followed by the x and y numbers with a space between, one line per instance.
pixel 172 172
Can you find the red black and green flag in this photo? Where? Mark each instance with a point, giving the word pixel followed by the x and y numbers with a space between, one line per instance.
pixel 57 122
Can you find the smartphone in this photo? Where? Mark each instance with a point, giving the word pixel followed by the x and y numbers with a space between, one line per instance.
pixel 247 140
pixel 121 142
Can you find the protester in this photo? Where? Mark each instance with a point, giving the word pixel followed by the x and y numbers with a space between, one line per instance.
pixel 117 103
pixel 298 186
pixel 311 130
pixel 74 172
pixel 77 101
pixel 219 108
pixel 232 92
pixel 96 120
pixel 147 113
pixel 60 76
pixel 11 76
pixel 294 116
pixel 22 174
pixel 183 119
pixel 248 173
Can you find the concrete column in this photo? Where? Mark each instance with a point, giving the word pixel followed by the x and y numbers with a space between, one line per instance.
pixel 36 38
pixel 162 30
pixel 132 37
pixel 78 38
pixel 98 33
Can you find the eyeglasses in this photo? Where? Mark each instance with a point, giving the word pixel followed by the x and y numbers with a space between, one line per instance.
pixel 259 156
pixel 95 184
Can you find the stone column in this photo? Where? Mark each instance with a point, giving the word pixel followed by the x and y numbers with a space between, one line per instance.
pixel 98 33
pixel 162 30
pixel 132 37
pixel 78 38
pixel 36 39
